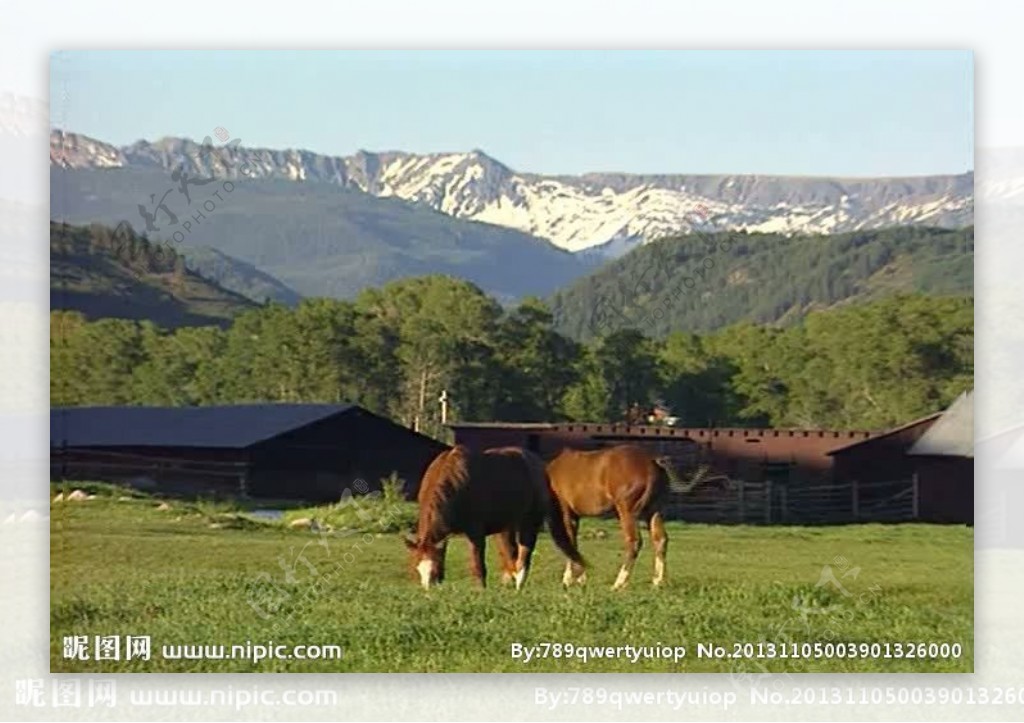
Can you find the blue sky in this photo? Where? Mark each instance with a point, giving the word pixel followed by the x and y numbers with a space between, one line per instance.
pixel 846 113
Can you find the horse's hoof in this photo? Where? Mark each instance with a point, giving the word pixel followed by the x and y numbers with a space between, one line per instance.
pixel 620 581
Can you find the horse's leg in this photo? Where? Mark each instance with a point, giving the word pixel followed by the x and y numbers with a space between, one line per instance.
pixel 659 538
pixel 631 537
pixel 477 565
pixel 442 556
pixel 572 526
pixel 527 541
pixel 507 553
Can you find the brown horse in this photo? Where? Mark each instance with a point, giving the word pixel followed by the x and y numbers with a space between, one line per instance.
pixel 625 478
pixel 502 492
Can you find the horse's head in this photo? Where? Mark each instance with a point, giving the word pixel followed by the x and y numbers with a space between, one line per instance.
pixel 426 560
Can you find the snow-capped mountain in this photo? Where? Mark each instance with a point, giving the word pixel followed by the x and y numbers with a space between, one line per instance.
pixel 600 211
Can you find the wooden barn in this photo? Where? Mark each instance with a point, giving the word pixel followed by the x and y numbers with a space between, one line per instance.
pixel 943 460
pixel 795 476
pixel 778 475
pixel 306 452
pixel 753 454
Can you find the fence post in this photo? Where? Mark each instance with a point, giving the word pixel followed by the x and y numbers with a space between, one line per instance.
pixel 768 501
pixel 854 500
pixel 916 497
pixel 740 503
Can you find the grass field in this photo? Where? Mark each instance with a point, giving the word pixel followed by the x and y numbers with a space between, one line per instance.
pixel 200 575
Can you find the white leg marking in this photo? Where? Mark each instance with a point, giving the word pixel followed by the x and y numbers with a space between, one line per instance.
pixel 567 575
pixel 520 578
pixel 659 571
pixel 425 569
pixel 620 581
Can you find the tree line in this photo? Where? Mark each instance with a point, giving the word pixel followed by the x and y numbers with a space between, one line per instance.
pixel 394 349
pixel 135 252
pixel 704 282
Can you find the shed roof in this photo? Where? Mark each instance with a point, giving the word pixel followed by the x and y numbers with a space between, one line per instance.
pixel 226 427
pixel 953 434
pixel 887 433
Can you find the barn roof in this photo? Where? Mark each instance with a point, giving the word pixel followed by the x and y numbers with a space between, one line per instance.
pixel 953 434
pixel 512 425
pixel 227 427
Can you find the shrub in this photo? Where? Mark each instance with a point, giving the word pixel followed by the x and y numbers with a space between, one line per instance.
pixel 381 511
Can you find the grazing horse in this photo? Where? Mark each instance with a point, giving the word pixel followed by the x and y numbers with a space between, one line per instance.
pixel 625 478
pixel 503 492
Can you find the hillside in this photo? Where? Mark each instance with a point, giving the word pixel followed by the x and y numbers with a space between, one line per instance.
pixel 102 274
pixel 702 283
pixel 238 276
pixel 317 238
pixel 605 212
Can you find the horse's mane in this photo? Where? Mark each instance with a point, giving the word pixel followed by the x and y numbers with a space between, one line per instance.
pixel 447 473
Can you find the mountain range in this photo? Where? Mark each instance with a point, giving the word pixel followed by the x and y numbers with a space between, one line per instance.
pixel 606 213
pixel 282 224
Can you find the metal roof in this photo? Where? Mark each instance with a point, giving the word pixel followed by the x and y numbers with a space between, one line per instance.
pixel 953 434
pixel 228 427
pixel 875 437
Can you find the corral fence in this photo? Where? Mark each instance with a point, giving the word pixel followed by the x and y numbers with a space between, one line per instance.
pixel 772 502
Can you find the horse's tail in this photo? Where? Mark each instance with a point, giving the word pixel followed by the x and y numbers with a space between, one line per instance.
pixel 559 533
pixel 554 510
pixel 680 485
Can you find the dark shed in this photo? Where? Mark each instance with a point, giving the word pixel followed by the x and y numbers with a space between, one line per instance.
pixel 943 461
pixel 879 469
pixel 883 457
pixel 283 451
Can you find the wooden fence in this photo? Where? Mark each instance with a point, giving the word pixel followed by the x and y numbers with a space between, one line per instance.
pixel 767 502
pixel 726 501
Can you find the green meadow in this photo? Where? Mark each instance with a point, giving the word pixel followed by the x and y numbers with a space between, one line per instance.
pixel 207 574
